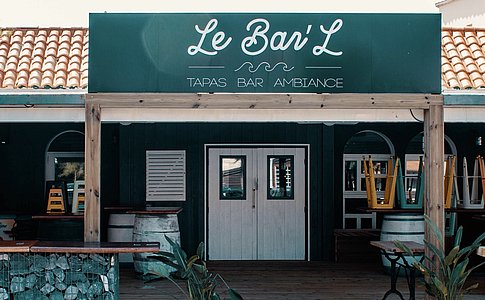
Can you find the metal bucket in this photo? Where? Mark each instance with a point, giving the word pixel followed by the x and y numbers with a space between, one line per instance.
pixel 154 228
pixel 403 227
pixel 120 229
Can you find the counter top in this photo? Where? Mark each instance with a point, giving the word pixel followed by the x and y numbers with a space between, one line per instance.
pixel 16 246
pixel 59 217
pixel 94 247
pixel 77 247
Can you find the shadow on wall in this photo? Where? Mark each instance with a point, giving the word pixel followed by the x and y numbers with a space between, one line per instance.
pixel 460 13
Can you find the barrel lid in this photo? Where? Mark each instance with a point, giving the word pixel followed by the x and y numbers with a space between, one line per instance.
pixel 156 211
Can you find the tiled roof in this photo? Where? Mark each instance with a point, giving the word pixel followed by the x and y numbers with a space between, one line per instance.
pixel 44 58
pixel 58 58
pixel 463 58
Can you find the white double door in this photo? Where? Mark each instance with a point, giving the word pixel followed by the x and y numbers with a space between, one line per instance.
pixel 256 204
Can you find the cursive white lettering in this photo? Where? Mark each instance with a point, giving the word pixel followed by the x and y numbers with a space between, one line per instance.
pixel 218 42
pixel 258 33
pixel 336 25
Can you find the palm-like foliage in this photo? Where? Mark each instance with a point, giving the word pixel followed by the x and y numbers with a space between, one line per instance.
pixel 201 284
pixel 446 275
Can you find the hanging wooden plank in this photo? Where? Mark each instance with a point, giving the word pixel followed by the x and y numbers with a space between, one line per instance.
pixel 434 180
pixel 92 163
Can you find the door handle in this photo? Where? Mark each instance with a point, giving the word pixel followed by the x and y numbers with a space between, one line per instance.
pixel 255 187
pixel 254 197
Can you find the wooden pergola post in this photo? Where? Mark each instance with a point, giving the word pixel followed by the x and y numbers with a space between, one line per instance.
pixel 92 165
pixel 434 183
pixel 433 133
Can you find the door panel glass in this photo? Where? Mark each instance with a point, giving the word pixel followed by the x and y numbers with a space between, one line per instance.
pixel 280 177
pixel 233 178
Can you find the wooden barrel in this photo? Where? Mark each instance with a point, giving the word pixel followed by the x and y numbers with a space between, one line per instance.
pixel 120 229
pixel 403 227
pixel 154 228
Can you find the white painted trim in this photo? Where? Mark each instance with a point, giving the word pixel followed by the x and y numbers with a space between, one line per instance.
pixel 69 115
pixel 255 115
pixel 48 115
pixel 308 191
pixel 452 115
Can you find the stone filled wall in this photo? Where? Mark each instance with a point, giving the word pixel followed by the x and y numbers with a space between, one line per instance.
pixel 58 276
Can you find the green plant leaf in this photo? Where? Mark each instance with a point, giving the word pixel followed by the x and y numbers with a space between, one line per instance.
pixel 200 250
pixel 233 295
pixel 479 239
pixel 440 287
pixel 436 231
pixel 471 287
pixel 458 236
pixel 158 269
pixel 450 258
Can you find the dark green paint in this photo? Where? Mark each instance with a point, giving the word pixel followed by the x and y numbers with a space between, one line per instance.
pixel 381 53
pixel 464 99
pixel 43 99
pixel 123 165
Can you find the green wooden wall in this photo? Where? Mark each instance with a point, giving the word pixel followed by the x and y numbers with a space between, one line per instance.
pixel 123 164
pixel 135 139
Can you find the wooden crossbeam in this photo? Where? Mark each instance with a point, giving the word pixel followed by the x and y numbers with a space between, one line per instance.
pixel 265 101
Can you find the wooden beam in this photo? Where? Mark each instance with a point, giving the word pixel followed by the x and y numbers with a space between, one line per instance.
pixel 434 181
pixel 92 163
pixel 266 101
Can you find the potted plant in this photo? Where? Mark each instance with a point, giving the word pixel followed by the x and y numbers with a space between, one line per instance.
pixel 201 284
pixel 446 275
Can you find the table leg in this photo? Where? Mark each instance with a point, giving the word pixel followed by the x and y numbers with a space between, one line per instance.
pixel 394 275
pixel 411 278
pixel 412 284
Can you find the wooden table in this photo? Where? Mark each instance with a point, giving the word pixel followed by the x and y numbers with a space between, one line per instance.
pixel 48 217
pixel 396 257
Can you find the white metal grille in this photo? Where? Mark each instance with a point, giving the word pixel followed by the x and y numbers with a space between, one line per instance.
pixel 165 175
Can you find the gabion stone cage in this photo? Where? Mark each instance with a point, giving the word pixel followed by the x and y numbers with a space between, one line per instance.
pixel 52 276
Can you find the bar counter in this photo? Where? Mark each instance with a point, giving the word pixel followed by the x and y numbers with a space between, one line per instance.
pixel 63 270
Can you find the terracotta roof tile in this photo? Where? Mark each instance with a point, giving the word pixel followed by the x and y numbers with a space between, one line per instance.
pixel 58 58
pixel 43 57
pixel 463 58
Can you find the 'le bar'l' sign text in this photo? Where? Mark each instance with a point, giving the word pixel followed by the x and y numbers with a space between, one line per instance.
pixel 265 53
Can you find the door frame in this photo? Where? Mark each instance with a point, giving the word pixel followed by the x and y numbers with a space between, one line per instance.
pixel 306 148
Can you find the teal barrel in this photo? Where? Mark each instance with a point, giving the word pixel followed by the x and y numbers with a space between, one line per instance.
pixel 120 229
pixel 403 227
pixel 154 228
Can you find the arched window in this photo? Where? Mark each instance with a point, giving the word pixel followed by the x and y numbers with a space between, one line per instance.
pixel 360 145
pixel 64 160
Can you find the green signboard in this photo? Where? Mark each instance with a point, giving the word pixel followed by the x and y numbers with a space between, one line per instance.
pixel 265 53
